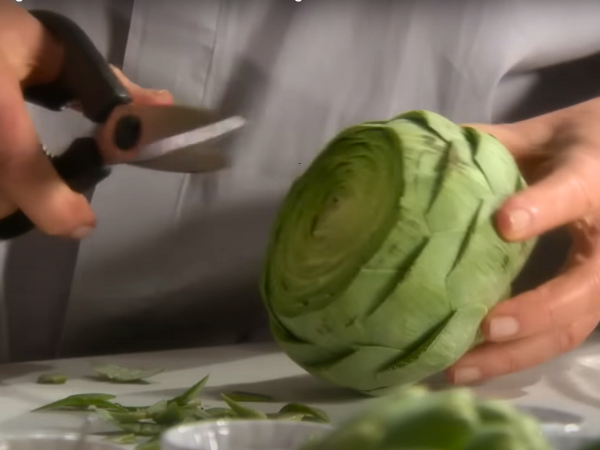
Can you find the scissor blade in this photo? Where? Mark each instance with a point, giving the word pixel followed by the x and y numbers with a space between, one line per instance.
pixel 190 134
pixel 194 159
pixel 194 143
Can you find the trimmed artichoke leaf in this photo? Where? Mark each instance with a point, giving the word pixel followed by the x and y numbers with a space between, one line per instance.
pixel 121 374
pixel 444 128
pixel 52 378
pixel 453 341
pixel 495 163
pixel 243 411
pixel 459 195
pixel 355 370
pixel 419 302
pixel 80 402
pixel 303 353
pixel 413 354
pixel 484 253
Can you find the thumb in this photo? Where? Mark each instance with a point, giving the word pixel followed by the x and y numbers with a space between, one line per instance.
pixel 566 194
pixel 142 95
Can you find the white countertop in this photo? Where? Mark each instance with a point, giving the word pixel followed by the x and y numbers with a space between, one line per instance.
pixel 570 384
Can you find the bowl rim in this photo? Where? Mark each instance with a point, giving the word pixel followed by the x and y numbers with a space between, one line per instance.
pixel 172 437
pixel 52 435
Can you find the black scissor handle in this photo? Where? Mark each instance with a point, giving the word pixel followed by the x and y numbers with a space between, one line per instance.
pixel 85 75
pixel 80 166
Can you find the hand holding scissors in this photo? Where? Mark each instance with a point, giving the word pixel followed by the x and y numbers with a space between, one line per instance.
pixel 57 66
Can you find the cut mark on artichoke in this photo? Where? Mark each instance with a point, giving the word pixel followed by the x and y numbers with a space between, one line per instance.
pixel 469 233
pixel 401 272
pixel 442 171
pixel 414 352
pixel 472 137
pixel 418 118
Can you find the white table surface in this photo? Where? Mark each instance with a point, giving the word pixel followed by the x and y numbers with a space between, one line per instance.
pixel 570 385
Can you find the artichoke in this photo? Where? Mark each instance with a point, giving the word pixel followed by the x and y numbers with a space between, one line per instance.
pixel 448 420
pixel 384 258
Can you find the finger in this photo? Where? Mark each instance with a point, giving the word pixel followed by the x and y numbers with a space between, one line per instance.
pixel 141 95
pixel 523 138
pixel 492 360
pixel 569 192
pixel 27 177
pixel 556 304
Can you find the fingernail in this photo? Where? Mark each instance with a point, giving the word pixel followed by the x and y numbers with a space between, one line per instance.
pixel 503 327
pixel 83 232
pixel 467 375
pixel 519 220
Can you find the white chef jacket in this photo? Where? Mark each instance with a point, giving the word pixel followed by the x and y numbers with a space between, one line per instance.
pixel 175 258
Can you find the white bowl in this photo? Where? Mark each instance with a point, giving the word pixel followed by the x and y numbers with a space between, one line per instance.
pixel 51 441
pixel 569 437
pixel 241 435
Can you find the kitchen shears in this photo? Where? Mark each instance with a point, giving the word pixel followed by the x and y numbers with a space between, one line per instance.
pixel 167 138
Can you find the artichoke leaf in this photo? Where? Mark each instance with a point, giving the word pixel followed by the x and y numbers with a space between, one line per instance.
pixel 453 341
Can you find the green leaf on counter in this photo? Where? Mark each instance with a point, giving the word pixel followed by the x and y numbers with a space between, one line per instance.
pixel 243 411
pixel 51 378
pixel 169 414
pixel 310 414
pixel 192 393
pixel 150 421
pixel 120 374
pixel 219 413
pixel 124 416
pixel 80 402
pixel 249 397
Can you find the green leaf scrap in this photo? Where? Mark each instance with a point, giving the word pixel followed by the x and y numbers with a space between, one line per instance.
pixel 120 374
pixel 243 411
pixel 151 421
pixel 80 402
pixel 50 378
pixel 310 414
pixel 249 397
pixel 192 393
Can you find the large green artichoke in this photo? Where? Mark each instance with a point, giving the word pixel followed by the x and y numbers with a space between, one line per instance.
pixel 448 420
pixel 384 258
